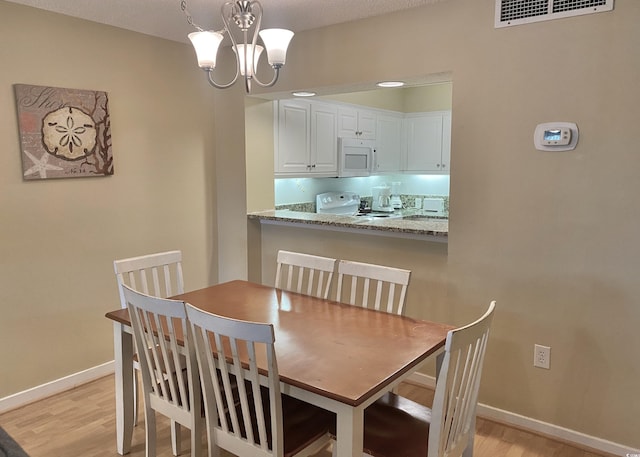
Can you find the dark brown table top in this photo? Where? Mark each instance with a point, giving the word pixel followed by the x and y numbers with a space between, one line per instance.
pixel 340 351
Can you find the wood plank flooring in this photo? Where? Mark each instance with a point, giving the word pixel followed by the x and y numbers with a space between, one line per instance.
pixel 81 422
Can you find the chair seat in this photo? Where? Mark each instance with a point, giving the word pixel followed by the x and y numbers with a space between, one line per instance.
pixel 302 423
pixel 395 426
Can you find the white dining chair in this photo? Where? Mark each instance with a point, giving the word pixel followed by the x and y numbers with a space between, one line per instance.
pixel 158 275
pixel 304 273
pixel 372 286
pixel 394 425
pixel 170 383
pixel 263 421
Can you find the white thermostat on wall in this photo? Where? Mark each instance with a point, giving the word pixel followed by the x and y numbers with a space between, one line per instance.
pixel 556 136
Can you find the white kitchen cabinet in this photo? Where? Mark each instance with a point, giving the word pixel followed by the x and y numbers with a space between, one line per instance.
pixel 388 155
pixel 428 142
pixel 356 123
pixel 324 139
pixel 306 139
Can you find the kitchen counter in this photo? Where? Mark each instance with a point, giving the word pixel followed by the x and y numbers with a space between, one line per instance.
pixel 412 224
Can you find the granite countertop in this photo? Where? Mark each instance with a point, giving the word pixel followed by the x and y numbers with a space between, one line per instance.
pixel 414 222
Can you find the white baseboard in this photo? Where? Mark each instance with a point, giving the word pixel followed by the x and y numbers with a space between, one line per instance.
pixel 542 428
pixel 56 386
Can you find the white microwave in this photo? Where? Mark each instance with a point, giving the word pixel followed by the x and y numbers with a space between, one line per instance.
pixel 355 157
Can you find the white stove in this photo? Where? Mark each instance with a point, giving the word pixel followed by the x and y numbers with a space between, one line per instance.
pixel 346 203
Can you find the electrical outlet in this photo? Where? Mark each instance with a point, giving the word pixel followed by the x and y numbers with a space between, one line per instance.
pixel 541 356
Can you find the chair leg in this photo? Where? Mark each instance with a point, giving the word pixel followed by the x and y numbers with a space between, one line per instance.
pixel 150 425
pixel 212 448
pixel 468 451
pixel 136 397
pixel 176 441
pixel 196 438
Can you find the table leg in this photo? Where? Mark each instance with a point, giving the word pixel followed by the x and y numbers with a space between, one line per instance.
pixel 350 431
pixel 123 354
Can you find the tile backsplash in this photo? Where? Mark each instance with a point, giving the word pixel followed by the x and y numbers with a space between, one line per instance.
pixel 408 201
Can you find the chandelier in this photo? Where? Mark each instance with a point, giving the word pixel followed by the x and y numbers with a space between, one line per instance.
pixel 241 20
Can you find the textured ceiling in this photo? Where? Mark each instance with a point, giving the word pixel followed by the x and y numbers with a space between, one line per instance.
pixel 164 18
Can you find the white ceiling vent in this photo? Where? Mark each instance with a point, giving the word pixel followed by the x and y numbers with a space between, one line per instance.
pixel 516 12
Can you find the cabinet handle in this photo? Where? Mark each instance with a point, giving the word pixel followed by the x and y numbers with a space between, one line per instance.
pixel 444 165
pixel 313 166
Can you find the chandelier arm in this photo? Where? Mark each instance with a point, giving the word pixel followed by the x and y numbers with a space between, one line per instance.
pixel 217 85
pixel 254 40
pixel 257 26
pixel 276 69
pixel 234 45
pixel 276 74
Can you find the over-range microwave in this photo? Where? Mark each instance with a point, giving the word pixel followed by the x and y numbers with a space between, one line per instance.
pixel 355 157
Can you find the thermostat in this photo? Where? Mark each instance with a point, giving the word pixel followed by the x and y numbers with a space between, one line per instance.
pixel 556 136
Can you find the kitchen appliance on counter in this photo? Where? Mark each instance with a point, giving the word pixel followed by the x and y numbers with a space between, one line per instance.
pixel 433 206
pixel 381 199
pixel 346 203
pixel 395 200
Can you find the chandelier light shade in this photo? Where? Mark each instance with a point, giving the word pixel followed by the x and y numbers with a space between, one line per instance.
pixel 206 45
pixel 248 58
pixel 242 21
pixel 276 41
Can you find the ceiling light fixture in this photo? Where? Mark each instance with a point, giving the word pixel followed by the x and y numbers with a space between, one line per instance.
pixel 243 17
pixel 390 84
pixel 303 93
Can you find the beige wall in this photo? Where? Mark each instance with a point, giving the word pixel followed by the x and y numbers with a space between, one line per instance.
pixel 259 140
pixel 551 236
pixel 58 238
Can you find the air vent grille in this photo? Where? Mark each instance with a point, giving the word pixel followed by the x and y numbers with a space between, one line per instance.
pixel 516 12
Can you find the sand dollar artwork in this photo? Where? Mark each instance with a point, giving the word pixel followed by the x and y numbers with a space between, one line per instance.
pixel 64 133
pixel 69 133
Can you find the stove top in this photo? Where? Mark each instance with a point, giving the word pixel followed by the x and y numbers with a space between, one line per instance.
pixel 337 203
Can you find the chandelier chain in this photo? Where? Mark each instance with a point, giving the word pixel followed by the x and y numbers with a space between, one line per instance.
pixel 183 7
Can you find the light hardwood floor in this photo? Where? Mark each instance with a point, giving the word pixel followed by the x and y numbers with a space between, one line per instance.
pixel 81 422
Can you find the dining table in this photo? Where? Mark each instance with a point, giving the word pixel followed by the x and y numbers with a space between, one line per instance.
pixel 336 356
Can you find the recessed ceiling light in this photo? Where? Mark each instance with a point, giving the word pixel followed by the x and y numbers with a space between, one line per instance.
pixel 390 84
pixel 304 94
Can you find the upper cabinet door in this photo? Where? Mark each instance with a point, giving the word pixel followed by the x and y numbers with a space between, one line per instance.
pixel 446 142
pixel 293 144
pixel 388 155
pixel 324 139
pixel 356 123
pixel 425 139
pixel 367 124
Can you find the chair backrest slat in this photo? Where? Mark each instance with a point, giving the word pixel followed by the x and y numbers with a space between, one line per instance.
pixel 370 284
pixel 304 273
pixel 456 396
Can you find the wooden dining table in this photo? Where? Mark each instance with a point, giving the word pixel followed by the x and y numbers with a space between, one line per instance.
pixel 336 356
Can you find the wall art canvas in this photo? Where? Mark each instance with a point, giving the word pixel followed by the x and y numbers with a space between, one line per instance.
pixel 64 133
